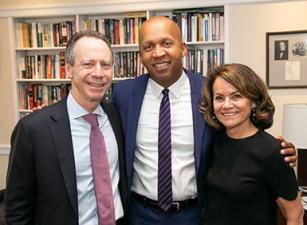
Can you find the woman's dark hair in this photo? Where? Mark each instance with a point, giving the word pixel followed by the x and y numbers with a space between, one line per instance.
pixel 249 84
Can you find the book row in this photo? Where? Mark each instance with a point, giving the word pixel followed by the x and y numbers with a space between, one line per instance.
pixel 196 26
pixel 128 65
pixel 119 31
pixel 32 95
pixel 33 35
pixel 202 61
pixel 42 66
pixel 200 25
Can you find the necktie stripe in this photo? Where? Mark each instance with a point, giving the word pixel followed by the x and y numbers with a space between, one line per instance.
pixel 165 197
pixel 164 126
pixel 166 194
pixel 163 178
pixel 164 140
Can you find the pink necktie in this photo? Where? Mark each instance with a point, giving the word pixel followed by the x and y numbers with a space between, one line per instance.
pixel 101 173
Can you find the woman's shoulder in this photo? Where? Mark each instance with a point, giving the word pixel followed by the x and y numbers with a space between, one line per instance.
pixel 267 139
pixel 267 145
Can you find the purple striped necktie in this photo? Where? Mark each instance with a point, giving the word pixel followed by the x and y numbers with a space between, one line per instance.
pixel 101 173
pixel 165 196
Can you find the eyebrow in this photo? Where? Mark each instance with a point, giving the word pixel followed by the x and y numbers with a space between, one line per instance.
pixel 232 93
pixel 93 60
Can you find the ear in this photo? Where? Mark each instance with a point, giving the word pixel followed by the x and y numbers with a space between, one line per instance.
pixel 140 58
pixel 184 49
pixel 68 70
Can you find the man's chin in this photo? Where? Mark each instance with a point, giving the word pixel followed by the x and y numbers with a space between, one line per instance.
pixel 97 98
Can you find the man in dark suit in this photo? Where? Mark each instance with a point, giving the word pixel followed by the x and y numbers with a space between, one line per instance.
pixel 50 175
pixel 138 103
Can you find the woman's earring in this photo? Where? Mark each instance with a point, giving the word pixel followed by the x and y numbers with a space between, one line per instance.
pixel 214 117
pixel 253 112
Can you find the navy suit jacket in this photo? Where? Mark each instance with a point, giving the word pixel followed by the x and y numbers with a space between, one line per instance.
pixel 41 178
pixel 128 97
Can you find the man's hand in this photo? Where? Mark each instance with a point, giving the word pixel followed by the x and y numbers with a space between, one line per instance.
pixel 288 151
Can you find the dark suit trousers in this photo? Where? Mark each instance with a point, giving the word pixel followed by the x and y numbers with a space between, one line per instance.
pixel 139 214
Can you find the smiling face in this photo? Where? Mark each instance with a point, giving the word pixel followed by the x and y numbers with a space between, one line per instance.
pixel 161 50
pixel 91 73
pixel 232 109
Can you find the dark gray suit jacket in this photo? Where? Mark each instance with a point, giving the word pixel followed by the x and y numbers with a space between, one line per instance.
pixel 41 178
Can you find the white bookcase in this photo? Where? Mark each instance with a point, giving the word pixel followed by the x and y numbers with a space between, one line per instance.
pixel 39 66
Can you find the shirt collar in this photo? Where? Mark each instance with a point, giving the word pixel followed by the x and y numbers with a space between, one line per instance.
pixel 75 110
pixel 176 89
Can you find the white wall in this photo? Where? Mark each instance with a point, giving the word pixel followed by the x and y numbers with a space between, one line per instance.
pixel 248 25
pixel 3 168
pixel 7 99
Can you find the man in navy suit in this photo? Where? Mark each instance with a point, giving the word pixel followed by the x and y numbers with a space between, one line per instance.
pixel 49 179
pixel 138 102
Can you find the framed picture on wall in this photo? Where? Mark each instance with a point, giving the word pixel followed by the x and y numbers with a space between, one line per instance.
pixel 286 59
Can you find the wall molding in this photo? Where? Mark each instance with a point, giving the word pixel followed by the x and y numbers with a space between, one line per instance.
pixel 107 6
pixel 111 6
pixel 5 149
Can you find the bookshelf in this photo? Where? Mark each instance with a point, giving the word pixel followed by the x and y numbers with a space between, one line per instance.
pixel 203 31
pixel 40 44
pixel 39 52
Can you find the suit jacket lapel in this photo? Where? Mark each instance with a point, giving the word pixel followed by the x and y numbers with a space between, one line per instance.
pixel 198 121
pixel 115 123
pixel 117 128
pixel 134 109
pixel 61 134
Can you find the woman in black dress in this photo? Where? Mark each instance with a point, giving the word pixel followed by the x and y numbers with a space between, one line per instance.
pixel 248 178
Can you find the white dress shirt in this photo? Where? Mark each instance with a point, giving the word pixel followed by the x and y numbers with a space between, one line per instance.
pixel 145 176
pixel 80 131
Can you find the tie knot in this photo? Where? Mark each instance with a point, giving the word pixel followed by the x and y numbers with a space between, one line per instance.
pixel 165 92
pixel 91 119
